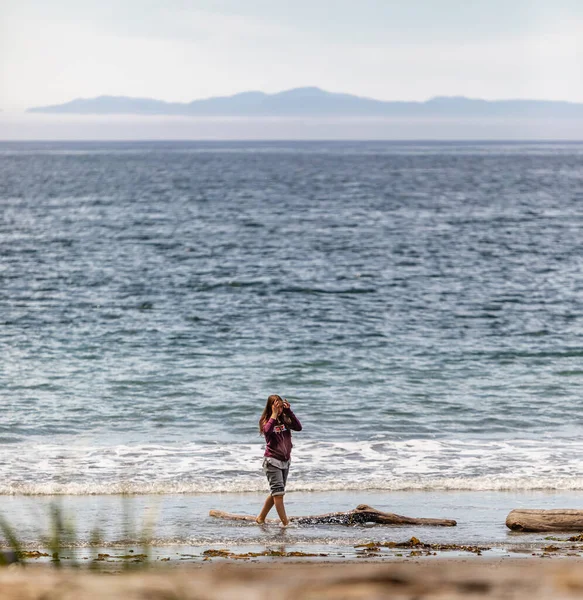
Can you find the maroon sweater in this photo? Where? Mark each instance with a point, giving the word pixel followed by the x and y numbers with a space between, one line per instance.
pixel 278 443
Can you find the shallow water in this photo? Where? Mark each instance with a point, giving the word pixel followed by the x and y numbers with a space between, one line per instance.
pixel 182 521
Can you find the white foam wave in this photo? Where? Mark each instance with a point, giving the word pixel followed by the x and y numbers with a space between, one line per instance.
pixel 317 466
pixel 246 486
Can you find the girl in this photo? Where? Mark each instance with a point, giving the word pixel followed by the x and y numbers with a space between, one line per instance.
pixel 275 424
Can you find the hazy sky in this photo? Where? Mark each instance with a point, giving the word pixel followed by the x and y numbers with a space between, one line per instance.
pixel 52 51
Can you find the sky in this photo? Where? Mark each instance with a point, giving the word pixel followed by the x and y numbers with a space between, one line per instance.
pixel 52 51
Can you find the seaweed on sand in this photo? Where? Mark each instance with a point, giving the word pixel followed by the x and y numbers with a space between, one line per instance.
pixel 415 543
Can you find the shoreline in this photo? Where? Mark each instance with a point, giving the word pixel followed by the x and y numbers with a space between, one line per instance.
pixel 122 556
pixel 178 530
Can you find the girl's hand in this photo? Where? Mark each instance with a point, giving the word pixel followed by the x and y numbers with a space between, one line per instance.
pixel 285 404
pixel 276 409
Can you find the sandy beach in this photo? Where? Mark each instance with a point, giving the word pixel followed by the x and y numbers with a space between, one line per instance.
pixel 408 570
pixel 511 579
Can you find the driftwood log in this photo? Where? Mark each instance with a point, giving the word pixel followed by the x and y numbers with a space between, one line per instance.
pixel 360 515
pixel 534 519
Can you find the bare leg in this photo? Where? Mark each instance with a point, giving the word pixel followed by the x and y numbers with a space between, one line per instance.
pixel 280 508
pixel 265 510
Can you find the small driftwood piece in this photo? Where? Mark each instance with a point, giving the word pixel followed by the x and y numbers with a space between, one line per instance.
pixel 360 515
pixel 534 519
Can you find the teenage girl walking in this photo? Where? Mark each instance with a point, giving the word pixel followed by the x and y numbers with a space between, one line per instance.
pixel 275 424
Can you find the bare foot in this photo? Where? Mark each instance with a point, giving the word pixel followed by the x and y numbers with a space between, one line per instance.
pixel 259 521
pixel 285 523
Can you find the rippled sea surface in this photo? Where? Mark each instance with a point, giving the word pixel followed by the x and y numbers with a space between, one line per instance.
pixel 420 305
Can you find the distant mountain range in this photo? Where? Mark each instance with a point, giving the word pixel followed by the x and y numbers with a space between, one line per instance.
pixel 313 101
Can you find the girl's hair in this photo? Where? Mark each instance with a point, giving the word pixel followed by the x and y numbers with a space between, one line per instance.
pixel 266 414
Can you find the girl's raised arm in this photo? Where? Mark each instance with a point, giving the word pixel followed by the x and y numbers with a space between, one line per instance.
pixel 295 422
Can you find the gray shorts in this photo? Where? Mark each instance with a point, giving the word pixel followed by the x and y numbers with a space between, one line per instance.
pixel 276 477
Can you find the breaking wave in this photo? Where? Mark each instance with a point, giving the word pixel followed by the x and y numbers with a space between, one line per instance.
pixel 422 464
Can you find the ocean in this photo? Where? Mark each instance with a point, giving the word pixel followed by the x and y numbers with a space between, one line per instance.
pixel 419 305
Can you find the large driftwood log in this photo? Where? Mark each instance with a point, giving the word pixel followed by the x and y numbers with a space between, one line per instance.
pixel 360 515
pixel 533 519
